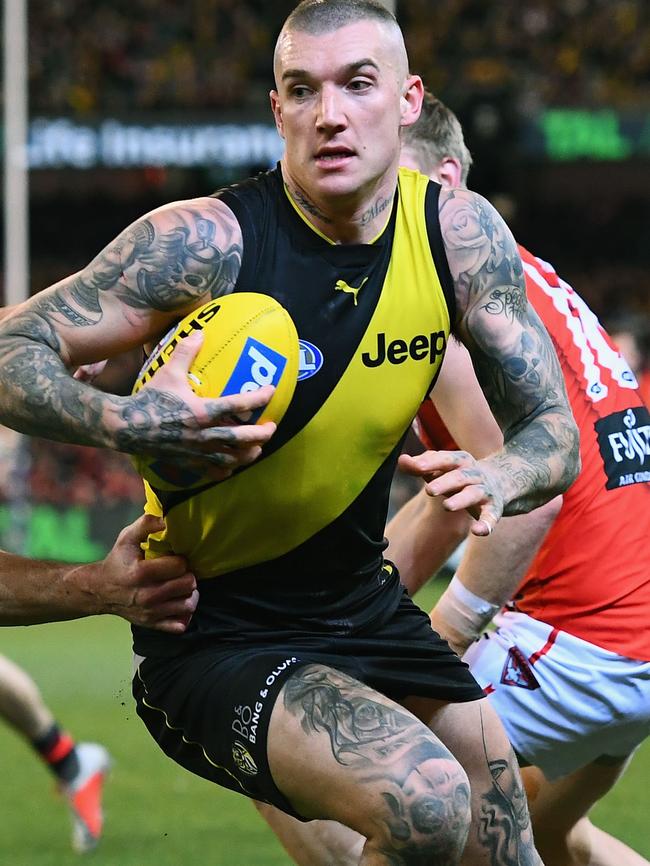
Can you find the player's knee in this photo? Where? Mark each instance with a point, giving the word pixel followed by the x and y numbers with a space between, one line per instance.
pixel 427 816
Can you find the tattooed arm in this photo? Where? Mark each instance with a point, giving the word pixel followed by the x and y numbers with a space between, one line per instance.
pixel 158 270
pixel 518 370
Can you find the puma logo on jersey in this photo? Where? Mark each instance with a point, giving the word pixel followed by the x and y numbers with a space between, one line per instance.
pixel 342 286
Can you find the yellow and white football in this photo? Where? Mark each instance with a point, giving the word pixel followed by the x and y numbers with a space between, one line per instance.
pixel 249 341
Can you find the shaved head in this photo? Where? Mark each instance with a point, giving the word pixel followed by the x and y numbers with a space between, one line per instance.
pixel 323 16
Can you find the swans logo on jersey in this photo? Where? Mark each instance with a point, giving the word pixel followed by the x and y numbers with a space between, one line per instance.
pixel 517 671
pixel 624 442
pixel 256 366
pixel 243 759
pixel 311 360
pixel 431 346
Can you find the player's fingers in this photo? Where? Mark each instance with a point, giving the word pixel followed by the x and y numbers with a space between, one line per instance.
pixel 448 483
pixel 163 571
pixel 182 357
pixel 138 531
pixel 236 404
pixel 470 498
pixel 175 596
pixel 173 617
pixel 173 625
pixel 431 464
pixel 487 520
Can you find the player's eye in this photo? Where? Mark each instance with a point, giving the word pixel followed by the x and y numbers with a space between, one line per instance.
pixel 359 84
pixel 300 91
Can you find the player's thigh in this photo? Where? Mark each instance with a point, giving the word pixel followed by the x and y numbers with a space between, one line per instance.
pixel 556 806
pixel 340 750
pixel 474 734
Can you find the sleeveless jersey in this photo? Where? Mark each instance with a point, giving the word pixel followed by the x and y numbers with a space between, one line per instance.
pixel 591 577
pixel 373 320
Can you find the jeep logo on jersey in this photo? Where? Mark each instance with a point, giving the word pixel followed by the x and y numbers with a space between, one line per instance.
pixel 256 366
pixel 624 442
pixel 311 360
pixel 397 351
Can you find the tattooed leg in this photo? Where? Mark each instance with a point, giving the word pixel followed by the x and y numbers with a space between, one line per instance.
pixel 501 832
pixel 341 751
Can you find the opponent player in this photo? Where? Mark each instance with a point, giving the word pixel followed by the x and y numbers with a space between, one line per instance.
pixel 568 669
pixel 159 594
pixel 569 666
pixel 307 678
pixel 79 768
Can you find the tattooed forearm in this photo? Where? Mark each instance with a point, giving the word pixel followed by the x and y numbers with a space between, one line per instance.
pixel 513 356
pixel 46 401
pixel 159 268
pixel 426 796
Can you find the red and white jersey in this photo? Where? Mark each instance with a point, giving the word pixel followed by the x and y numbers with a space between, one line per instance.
pixel 591 577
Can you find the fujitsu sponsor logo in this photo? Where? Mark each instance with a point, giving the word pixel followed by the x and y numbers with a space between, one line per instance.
pixel 631 443
pixel 624 442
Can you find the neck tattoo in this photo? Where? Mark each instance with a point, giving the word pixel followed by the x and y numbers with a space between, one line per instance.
pixel 373 212
pixel 308 206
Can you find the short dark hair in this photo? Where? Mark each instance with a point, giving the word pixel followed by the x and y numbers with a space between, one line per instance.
pixel 437 133
pixel 320 16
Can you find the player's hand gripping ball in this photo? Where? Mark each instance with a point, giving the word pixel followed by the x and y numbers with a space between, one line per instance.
pixel 249 341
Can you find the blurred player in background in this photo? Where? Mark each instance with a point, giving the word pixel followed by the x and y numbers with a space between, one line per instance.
pixel 79 768
pixel 307 676
pixel 568 669
pixel 160 594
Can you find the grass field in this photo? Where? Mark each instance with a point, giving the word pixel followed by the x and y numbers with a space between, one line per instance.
pixel 157 814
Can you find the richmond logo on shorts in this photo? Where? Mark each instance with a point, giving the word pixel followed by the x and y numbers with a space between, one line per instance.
pixel 624 442
pixel 243 759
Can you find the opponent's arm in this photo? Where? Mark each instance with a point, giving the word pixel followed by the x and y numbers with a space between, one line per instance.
pixel 159 269
pixel 517 368
pixel 157 593
pixel 491 569
pixel 421 538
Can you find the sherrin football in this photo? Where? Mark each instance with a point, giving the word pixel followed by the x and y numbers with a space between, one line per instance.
pixel 249 341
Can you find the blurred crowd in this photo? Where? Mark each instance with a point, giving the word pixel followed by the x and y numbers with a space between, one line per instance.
pixel 104 56
pixel 586 53
pixel 50 473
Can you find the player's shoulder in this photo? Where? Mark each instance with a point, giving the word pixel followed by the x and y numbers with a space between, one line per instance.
pixel 265 185
pixel 201 212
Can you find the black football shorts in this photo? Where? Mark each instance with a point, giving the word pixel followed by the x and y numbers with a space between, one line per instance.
pixel 209 709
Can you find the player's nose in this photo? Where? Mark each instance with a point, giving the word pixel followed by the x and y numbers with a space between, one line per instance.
pixel 331 114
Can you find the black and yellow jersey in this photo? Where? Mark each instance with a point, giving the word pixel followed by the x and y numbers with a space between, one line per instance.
pixel 373 320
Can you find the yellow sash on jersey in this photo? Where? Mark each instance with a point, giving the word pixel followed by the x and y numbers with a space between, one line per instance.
pixel 277 504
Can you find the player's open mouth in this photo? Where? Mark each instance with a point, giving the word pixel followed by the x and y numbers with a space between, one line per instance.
pixel 333 157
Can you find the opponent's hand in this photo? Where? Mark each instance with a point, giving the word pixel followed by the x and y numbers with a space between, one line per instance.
pixel 156 593
pixel 463 482
pixel 167 419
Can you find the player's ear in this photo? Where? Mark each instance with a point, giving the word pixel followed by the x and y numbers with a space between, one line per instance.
pixel 450 172
pixel 411 100
pixel 277 111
